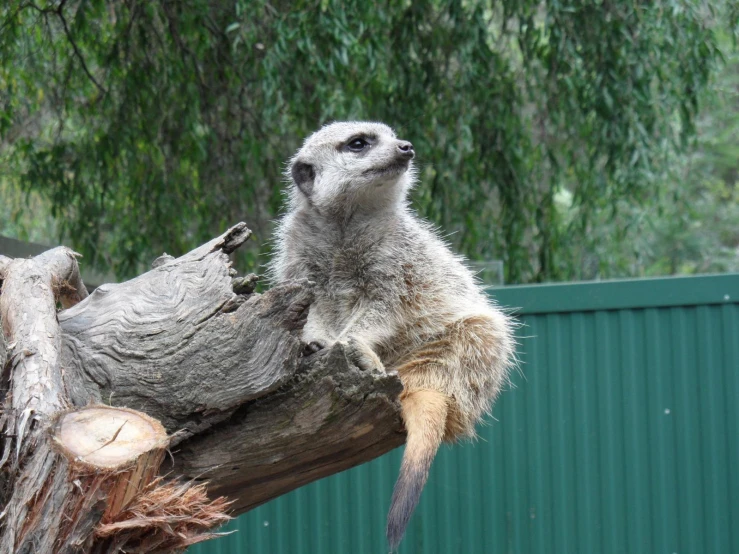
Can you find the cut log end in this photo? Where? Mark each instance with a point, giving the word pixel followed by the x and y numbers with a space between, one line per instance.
pixel 115 501
pixel 107 438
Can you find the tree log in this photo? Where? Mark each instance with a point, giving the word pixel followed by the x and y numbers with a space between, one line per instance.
pixel 221 367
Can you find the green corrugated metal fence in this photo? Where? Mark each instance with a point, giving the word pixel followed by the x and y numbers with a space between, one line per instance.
pixel 620 436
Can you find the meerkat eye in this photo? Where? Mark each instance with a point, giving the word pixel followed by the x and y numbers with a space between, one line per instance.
pixel 357 144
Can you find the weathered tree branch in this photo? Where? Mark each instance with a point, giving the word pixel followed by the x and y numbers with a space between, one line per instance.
pixel 218 365
pixel 331 417
pixel 32 392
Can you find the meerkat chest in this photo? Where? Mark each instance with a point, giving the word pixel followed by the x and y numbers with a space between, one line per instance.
pixel 354 291
pixel 350 273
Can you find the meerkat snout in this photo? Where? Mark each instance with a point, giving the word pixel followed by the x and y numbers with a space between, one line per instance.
pixel 405 149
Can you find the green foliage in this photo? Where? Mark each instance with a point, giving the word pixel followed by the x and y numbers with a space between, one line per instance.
pixel 153 125
pixel 689 224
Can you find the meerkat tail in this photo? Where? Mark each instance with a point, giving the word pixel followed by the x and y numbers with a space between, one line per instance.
pixel 424 413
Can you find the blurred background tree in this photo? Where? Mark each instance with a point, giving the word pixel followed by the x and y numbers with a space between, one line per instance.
pixel 576 140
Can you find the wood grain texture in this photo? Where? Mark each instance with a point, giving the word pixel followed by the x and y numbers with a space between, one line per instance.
pixel 178 344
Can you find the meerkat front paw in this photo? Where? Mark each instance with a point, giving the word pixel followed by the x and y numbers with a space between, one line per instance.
pixel 314 346
pixel 361 355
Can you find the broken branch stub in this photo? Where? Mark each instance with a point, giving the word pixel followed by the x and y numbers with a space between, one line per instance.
pixel 38 483
pixel 31 332
pixel 113 456
pixel 32 390
pixel 118 445
pixel 107 456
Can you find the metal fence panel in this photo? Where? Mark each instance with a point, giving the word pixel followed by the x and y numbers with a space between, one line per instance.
pixel 620 435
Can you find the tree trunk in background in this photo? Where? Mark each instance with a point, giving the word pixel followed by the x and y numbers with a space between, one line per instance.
pixel 185 357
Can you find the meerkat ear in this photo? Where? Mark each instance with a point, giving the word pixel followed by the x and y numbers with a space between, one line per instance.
pixel 303 175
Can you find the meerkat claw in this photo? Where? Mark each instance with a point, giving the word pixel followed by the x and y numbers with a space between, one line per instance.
pixel 361 355
pixel 314 346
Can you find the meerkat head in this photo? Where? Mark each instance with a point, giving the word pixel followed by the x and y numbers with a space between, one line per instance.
pixel 352 164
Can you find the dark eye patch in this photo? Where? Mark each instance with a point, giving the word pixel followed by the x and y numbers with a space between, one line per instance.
pixel 358 144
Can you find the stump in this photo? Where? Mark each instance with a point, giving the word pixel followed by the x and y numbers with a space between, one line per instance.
pixel 105 485
pixel 114 451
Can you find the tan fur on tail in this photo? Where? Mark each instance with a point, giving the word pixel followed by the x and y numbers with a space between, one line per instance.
pixel 424 413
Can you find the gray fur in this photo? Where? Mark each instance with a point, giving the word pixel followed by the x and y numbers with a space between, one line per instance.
pixel 385 282
pixel 382 274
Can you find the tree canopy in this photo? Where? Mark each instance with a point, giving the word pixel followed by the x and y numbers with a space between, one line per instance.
pixel 541 127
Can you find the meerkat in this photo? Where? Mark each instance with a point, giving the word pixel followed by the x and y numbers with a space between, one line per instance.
pixel 392 290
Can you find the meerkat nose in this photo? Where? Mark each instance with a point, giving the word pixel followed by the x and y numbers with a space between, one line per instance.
pixel 405 149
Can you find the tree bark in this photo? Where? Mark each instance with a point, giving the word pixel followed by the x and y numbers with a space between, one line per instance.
pixel 32 391
pixel 192 346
